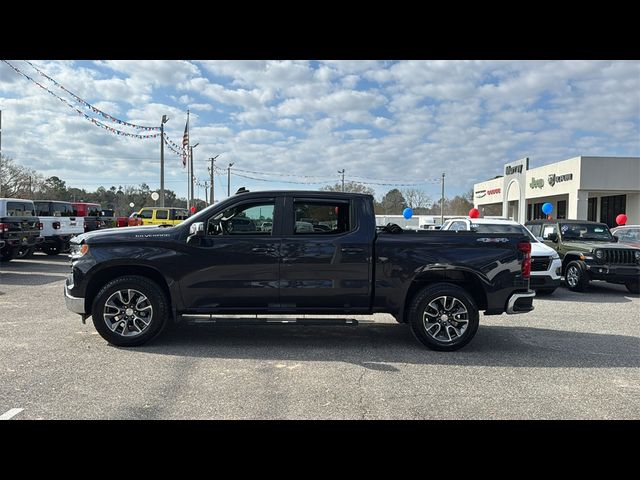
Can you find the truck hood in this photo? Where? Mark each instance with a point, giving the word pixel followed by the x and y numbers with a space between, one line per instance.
pixel 126 234
pixel 591 245
pixel 539 249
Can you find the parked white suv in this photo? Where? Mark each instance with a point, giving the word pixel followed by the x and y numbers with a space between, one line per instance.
pixel 546 266
pixel 59 225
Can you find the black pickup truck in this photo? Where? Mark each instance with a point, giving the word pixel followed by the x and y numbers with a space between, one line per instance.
pixel 296 252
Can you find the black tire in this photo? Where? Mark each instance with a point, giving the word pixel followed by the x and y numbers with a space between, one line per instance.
pixel 545 291
pixel 418 313
pixel 580 282
pixel 156 298
pixel 633 287
pixel 7 255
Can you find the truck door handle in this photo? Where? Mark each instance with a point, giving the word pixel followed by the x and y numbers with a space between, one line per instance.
pixel 351 250
pixel 263 249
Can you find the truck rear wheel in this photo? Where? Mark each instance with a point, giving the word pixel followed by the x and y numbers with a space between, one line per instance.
pixel 129 311
pixel 443 317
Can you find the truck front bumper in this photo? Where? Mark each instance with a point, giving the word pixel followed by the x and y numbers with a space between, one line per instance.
pixel 614 273
pixel 521 302
pixel 74 304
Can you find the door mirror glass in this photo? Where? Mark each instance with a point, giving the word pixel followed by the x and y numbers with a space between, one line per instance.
pixel 196 229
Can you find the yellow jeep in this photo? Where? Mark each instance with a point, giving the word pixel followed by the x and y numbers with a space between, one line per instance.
pixel 162 215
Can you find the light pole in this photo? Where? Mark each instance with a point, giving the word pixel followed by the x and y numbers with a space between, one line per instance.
pixel 211 170
pixel 165 119
pixel 190 200
pixel 229 180
pixel 342 172
pixel 442 202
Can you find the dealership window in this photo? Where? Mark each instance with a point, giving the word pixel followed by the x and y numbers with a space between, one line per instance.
pixel 538 214
pixel 611 207
pixel 561 209
pixel 592 209
pixel 530 211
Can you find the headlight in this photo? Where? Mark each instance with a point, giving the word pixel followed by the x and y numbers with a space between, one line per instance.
pixel 78 251
pixel 557 257
pixel 599 254
pixel 637 255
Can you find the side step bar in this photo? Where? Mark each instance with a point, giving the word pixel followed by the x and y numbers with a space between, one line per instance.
pixel 209 320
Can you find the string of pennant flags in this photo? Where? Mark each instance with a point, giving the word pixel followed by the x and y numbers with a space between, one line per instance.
pixel 80 112
pixel 88 105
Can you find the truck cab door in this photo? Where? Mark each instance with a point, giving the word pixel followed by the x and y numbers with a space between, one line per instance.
pixel 235 265
pixel 326 256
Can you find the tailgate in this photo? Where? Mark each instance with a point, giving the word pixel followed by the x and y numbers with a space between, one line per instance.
pixel 71 225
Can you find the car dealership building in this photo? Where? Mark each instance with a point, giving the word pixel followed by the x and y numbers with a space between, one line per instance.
pixel 581 188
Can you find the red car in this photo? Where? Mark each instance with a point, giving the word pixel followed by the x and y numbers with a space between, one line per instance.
pixel 628 234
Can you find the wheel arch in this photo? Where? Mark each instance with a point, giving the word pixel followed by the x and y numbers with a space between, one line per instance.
pixel 100 278
pixel 568 258
pixel 465 279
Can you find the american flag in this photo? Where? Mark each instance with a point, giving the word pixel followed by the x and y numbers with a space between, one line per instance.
pixel 185 143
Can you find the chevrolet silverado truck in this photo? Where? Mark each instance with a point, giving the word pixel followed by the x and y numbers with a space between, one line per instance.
pixel 133 282
pixel 589 252
pixel 19 228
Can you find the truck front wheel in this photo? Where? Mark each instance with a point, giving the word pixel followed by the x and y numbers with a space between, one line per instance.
pixel 129 311
pixel 576 276
pixel 443 317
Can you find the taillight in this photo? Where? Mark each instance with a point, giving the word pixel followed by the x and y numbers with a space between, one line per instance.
pixel 4 227
pixel 56 225
pixel 40 225
pixel 525 247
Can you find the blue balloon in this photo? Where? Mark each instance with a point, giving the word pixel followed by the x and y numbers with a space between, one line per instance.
pixel 407 213
pixel 547 208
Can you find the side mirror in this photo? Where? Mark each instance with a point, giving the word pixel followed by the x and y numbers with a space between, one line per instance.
pixel 196 229
pixel 553 237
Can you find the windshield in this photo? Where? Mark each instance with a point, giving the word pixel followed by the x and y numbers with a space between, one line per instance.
pixel 585 231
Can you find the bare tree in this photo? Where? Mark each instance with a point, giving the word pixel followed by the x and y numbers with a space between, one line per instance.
pixel 17 181
pixel 349 186
pixel 416 199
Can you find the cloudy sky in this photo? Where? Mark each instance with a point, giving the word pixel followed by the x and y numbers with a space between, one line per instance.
pixel 302 121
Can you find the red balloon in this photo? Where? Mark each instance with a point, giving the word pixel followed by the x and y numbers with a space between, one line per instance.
pixel 193 209
pixel 474 213
pixel 621 219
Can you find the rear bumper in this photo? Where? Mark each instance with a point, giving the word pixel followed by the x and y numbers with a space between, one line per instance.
pixel 521 302
pixel 74 304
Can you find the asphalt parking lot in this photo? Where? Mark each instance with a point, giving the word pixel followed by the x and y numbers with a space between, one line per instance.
pixel 577 356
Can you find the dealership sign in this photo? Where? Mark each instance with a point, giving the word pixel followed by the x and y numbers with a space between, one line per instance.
pixel 536 183
pixel 553 178
pixel 512 169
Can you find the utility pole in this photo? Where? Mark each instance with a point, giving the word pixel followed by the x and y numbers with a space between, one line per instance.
pixel 0 152
pixel 229 180
pixel 442 202
pixel 342 172
pixel 211 171
pixel 165 119
pixel 190 200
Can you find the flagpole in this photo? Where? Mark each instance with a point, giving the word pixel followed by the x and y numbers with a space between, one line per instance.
pixel 188 165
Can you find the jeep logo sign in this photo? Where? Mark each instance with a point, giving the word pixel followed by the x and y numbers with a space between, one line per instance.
pixel 553 178
pixel 509 170
pixel 537 183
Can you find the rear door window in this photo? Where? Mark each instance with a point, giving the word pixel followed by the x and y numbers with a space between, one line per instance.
pixel 20 209
pixel 324 218
pixel 63 210
pixel 162 214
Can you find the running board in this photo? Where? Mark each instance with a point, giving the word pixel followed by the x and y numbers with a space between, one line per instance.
pixel 206 319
